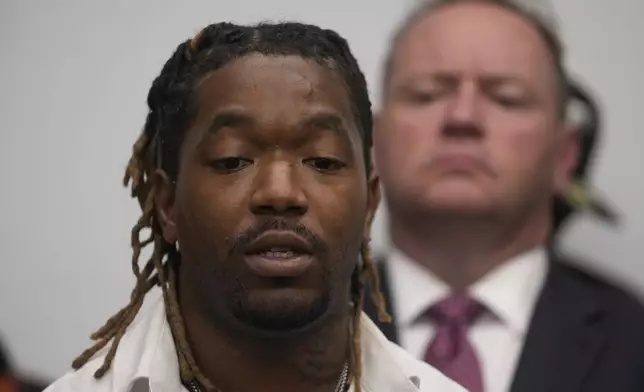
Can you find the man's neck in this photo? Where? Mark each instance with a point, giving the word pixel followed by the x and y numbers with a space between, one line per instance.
pixel 241 363
pixel 461 250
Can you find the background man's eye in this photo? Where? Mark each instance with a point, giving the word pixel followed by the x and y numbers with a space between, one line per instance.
pixel 324 164
pixel 509 102
pixel 423 97
pixel 230 164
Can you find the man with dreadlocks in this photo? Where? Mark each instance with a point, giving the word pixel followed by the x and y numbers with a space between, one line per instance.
pixel 253 174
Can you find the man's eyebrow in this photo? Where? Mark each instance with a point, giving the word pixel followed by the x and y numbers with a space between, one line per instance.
pixel 324 121
pixel 453 78
pixel 236 118
pixel 230 118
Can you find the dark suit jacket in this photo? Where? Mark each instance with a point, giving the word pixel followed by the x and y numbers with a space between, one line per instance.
pixel 586 335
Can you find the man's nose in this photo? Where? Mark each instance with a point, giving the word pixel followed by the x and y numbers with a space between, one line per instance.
pixel 463 117
pixel 278 191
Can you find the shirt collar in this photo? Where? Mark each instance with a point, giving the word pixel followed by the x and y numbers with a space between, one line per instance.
pixel 415 288
pixel 510 291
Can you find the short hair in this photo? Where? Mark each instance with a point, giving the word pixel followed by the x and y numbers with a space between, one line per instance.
pixel 171 107
pixel 539 13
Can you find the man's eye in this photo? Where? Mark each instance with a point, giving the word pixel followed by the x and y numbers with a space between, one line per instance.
pixel 416 96
pixel 508 101
pixel 325 164
pixel 424 97
pixel 230 164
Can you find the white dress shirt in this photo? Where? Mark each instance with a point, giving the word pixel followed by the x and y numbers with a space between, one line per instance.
pixel 509 292
pixel 146 361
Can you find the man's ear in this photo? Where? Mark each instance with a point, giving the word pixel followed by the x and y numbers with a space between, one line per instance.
pixel 377 124
pixel 568 158
pixel 164 203
pixel 377 130
pixel 373 201
pixel 373 182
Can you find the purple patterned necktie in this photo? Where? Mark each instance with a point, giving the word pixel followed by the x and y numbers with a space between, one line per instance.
pixel 450 351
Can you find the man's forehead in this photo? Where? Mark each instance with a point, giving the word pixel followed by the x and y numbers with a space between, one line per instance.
pixel 263 91
pixel 259 80
pixel 254 73
pixel 472 37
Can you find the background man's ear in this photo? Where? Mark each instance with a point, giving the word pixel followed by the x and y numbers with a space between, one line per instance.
pixel 568 158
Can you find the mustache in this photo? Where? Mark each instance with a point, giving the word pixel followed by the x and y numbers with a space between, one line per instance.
pixel 251 234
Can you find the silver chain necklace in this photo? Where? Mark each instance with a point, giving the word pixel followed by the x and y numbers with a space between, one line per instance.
pixel 341 386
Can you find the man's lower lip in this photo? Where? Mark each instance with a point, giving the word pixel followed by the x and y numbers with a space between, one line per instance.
pixel 459 163
pixel 286 267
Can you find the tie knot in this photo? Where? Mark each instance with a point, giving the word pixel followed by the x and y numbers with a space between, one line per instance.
pixel 458 309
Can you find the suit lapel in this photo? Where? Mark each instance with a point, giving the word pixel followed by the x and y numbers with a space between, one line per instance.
pixel 390 330
pixel 564 337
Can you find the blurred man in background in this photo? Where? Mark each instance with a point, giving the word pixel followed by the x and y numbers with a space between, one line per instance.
pixel 472 146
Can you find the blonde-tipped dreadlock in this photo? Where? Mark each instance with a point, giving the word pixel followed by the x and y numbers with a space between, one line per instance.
pixel 367 272
pixel 170 109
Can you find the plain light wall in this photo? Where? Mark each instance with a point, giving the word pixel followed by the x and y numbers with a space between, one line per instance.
pixel 74 78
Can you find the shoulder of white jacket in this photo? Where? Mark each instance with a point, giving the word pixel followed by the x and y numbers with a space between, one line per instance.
pixel 82 380
pixel 429 379
pixel 66 383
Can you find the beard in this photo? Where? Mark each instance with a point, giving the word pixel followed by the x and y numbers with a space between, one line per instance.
pixel 286 306
pixel 288 310
pixel 235 298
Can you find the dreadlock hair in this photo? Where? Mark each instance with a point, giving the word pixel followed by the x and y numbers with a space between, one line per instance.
pixel 171 107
